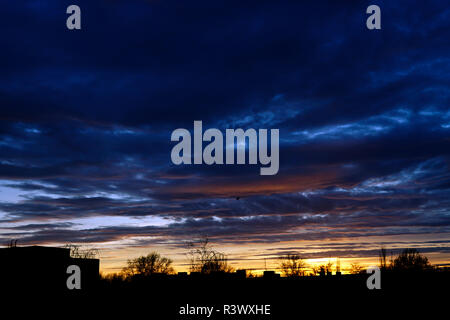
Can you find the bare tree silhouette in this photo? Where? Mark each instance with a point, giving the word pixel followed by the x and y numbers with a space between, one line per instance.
pixel 410 260
pixel 76 251
pixel 12 243
pixel 382 256
pixel 148 265
pixel 292 265
pixel 356 268
pixel 323 269
pixel 205 260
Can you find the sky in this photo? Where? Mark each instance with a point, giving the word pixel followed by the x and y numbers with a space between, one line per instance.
pixel 86 118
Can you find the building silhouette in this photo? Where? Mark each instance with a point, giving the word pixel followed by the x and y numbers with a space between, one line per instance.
pixel 39 268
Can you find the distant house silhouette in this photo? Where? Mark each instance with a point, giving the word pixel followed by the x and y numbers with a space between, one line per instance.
pixel 43 268
pixel 269 274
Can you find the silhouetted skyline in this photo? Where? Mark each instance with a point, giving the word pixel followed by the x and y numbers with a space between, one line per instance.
pixel 363 116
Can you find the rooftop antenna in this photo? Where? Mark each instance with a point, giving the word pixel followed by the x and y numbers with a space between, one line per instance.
pixel 265 264
pixel 338 265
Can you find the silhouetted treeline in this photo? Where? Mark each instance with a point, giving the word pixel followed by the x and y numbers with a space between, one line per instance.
pixel 204 261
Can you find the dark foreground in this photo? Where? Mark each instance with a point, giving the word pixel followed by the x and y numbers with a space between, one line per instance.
pixel 255 298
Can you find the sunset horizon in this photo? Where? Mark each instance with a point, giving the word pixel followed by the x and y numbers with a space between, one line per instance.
pixel 312 132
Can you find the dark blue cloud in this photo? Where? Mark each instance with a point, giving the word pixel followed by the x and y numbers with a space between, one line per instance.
pixel 86 117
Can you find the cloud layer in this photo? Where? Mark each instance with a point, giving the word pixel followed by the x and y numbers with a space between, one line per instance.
pixel 86 118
